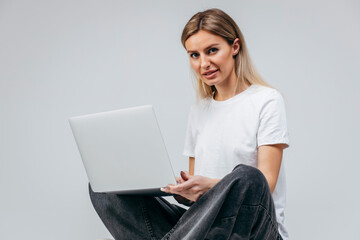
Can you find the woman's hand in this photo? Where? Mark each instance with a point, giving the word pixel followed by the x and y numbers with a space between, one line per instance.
pixel 191 187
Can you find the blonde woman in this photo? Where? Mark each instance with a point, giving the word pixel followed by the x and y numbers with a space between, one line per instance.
pixel 236 133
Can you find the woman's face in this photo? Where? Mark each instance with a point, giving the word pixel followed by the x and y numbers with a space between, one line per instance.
pixel 211 57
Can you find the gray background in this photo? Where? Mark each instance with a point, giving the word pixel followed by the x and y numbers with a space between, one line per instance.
pixel 65 58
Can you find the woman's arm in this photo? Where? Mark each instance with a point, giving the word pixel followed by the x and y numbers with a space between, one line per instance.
pixel 269 161
pixel 191 165
pixel 192 187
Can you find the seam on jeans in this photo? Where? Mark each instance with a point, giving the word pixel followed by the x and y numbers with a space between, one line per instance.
pixel 147 221
pixel 257 215
pixel 266 211
pixel 274 226
pixel 171 231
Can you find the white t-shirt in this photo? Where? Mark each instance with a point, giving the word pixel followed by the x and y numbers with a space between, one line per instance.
pixel 223 134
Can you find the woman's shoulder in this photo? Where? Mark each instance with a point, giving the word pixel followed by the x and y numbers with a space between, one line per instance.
pixel 265 93
pixel 262 89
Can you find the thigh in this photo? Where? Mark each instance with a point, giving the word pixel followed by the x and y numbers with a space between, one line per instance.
pixel 134 216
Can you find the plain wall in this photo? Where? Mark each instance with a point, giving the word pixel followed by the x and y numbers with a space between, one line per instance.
pixel 65 58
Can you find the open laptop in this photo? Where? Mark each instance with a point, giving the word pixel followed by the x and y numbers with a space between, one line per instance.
pixel 123 151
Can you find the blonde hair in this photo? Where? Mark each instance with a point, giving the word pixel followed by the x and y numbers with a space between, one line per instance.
pixel 219 23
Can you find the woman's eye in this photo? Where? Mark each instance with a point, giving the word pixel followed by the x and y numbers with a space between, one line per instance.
pixel 193 55
pixel 213 50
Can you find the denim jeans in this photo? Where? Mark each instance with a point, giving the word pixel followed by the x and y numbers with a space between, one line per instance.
pixel 240 206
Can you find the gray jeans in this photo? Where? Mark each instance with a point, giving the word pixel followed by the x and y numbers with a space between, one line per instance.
pixel 240 206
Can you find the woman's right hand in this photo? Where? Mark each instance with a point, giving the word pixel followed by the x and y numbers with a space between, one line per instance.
pixel 192 187
pixel 180 199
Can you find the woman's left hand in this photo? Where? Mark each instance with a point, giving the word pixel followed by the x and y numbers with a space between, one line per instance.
pixel 192 187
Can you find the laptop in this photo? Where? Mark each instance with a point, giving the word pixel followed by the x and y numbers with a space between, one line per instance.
pixel 123 151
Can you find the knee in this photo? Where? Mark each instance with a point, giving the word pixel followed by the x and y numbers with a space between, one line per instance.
pixel 97 199
pixel 104 202
pixel 92 194
pixel 250 176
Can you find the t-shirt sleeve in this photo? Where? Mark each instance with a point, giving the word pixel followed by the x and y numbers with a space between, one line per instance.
pixel 189 146
pixel 272 122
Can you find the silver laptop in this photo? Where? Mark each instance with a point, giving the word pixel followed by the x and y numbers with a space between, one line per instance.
pixel 123 151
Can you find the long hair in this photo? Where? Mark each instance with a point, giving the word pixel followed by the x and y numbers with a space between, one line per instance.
pixel 219 23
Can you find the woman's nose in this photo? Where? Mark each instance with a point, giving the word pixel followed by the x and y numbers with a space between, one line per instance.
pixel 205 62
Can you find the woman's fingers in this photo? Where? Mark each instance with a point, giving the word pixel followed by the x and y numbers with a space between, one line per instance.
pixel 179 180
pixel 185 186
pixel 186 190
pixel 192 188
pixel 167 189
pixel 184 175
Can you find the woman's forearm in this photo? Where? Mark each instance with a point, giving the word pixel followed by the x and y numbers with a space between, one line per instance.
pixel 191 165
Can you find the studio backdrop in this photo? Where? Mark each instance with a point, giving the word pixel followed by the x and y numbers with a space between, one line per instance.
pixel 66 58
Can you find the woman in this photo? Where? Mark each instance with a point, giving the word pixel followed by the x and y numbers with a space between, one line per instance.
pixel 235 139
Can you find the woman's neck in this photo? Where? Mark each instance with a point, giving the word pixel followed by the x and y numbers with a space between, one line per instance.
pixel 228 90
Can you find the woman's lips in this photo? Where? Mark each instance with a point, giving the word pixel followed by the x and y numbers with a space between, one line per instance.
pixel 211 75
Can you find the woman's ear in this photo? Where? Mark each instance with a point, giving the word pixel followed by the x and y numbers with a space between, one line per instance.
pixel 236 46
